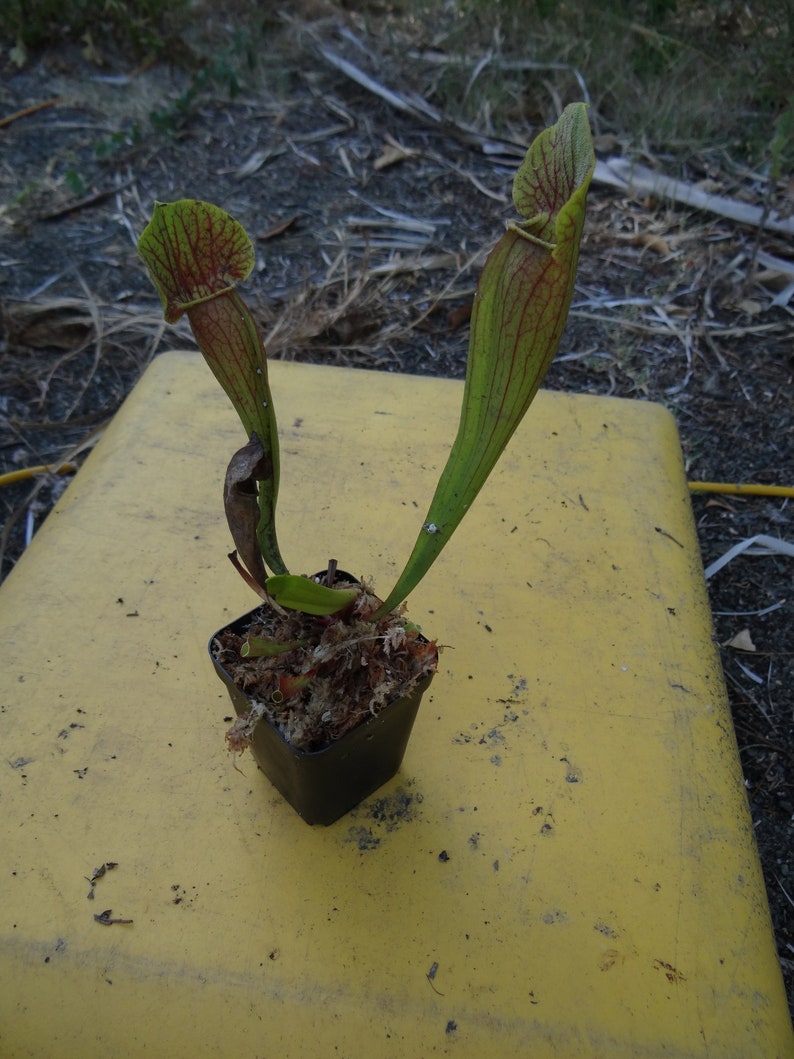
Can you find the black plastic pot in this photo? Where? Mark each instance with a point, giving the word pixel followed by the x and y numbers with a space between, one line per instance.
pixel 322 785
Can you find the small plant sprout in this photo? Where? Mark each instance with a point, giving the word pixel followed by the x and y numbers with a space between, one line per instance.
pixel 196 254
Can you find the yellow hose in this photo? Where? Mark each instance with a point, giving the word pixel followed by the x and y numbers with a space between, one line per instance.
pixel 694 487
pixel 33 472
pixel 749 490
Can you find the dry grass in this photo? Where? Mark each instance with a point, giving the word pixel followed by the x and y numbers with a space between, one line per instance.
pixel 350 317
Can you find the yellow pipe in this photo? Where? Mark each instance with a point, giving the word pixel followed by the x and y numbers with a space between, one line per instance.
pixel 694 487
pixel 32 472
pixel 750 490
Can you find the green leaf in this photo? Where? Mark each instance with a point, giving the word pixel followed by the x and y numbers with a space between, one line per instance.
pixel 195 253
pixel 520 310
pixel 301 593
pixel 257 647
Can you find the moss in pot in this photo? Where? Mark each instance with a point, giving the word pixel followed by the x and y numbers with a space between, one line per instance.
pixel 323 663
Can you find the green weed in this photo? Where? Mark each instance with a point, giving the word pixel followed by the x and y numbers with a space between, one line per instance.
pixel 672 75
pixel 74 182
pixel 139 27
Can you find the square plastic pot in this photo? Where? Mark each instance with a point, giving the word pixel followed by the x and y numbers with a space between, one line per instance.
pixel 322 785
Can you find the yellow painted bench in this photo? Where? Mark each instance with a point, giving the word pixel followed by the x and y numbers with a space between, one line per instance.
pixel 565 864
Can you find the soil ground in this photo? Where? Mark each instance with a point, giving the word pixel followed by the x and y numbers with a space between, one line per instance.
pixel 369 226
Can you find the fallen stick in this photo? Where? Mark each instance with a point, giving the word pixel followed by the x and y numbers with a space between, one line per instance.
pixel 27 111
pixel 638 179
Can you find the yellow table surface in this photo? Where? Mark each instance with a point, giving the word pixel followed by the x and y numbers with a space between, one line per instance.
pixel 565 864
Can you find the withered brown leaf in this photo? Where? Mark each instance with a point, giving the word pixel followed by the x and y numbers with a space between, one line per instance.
pixel 247 466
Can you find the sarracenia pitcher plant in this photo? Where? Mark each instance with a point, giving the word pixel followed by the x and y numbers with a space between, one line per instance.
pixel 196 254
